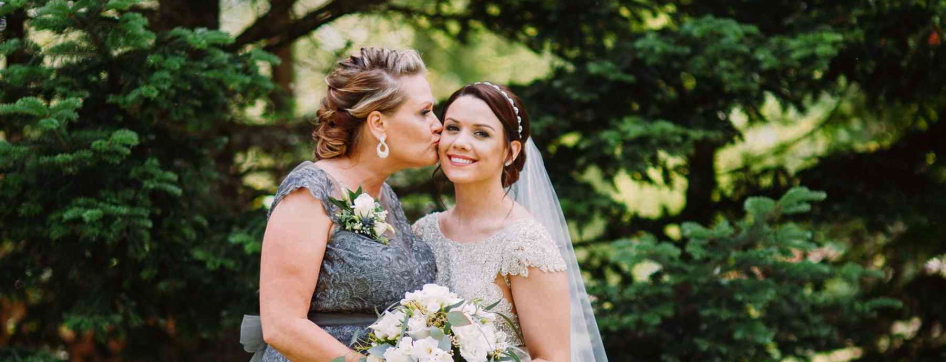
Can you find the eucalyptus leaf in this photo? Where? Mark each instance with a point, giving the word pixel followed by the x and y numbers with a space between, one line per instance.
pixel 491 306
pixel 458 319
pixel 404 324
pixel 378 351
pixel 424 333
pixel 451 307
pixel 513 354
pixel 354 337
pixel 436 333
pixel 445 344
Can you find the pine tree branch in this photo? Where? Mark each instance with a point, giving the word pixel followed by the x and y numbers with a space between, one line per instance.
pixel 150 13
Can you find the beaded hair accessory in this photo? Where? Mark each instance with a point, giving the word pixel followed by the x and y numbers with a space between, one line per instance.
pixel 511 102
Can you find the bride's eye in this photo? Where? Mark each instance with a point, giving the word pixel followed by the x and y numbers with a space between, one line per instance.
pixel 425 112
pixel 452 128
pixel 482 134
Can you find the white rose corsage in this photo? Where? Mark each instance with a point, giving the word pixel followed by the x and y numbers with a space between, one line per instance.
pixel 361 214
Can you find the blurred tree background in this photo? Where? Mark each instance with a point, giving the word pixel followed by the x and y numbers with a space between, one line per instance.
pixel 140 142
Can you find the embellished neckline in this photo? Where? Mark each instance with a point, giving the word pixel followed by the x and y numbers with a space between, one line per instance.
pixel 436 217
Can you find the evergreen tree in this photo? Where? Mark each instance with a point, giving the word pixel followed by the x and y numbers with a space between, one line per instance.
pixel 115 221
pixel 124 215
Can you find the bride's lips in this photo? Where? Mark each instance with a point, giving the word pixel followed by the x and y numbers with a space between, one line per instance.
pixel 460 161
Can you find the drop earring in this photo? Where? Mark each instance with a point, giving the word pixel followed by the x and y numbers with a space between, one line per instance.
pixel 383 150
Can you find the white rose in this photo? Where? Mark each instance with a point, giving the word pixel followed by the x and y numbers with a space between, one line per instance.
pixel 364 205
pixel 375 359
pixel 424 349
pixel 401 352
pixel 417 324
pixel 389 326
pixel 432 297
pixel 475 341
pixel 474 352
pixel 441 356
pixel 396 355
pixel 437 296
pixel 381 227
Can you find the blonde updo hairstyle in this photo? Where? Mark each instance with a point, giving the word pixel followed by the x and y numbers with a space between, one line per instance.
pixel 359 85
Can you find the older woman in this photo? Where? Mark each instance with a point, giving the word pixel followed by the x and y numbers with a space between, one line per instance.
pixel 321 284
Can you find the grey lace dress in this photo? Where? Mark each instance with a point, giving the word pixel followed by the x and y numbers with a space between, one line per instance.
pixel 359 275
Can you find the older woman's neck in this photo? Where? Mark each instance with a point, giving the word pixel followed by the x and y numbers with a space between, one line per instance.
pixel 366 171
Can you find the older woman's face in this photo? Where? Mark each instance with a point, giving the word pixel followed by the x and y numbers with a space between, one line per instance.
pixel 413 129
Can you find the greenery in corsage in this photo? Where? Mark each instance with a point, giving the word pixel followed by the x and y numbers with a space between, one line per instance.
pixel 361 214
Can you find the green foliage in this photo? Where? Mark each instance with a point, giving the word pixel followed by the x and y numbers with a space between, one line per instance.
pixel 110 161
pixel 650 90
pixel 123 155
pixel 743 292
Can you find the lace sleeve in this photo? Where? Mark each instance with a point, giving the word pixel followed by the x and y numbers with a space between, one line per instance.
pixel 420 226
pixel 531 247
pixel 314 179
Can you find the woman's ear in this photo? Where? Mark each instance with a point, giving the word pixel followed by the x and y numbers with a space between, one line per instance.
pixel 514 148
pixel 377 124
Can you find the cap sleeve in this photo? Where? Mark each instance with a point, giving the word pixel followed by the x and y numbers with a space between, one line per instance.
pixel 312 178
pixel 531 247
pixel 421 226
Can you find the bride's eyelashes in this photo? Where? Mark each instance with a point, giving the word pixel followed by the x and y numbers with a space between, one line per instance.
pixel 452 128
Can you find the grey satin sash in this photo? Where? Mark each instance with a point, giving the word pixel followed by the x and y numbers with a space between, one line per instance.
pixel 251 330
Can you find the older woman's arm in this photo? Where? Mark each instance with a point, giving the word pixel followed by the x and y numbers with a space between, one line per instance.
pixel 542 303
pixel 293 247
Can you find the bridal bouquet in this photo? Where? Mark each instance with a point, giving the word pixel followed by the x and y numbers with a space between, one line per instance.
pixel 434 325
pixel 361 214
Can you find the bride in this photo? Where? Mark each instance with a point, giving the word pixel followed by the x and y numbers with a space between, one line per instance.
pixel 506 239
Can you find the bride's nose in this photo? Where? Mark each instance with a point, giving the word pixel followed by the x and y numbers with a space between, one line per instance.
pixel 462 142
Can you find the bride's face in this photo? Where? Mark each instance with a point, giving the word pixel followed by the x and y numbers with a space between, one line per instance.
pixel 473 143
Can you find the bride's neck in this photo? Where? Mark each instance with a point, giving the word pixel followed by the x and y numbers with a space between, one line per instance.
pixel 480 200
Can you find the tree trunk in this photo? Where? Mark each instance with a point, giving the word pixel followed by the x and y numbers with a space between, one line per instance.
pixel 188 14
pixel 283 73
pixel 15 29
pixel 702 183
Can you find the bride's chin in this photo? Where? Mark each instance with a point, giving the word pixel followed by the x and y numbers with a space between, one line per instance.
pixel 451 173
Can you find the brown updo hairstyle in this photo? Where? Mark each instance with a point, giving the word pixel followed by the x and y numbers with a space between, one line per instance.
pixel 359 85
pixel 503 110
